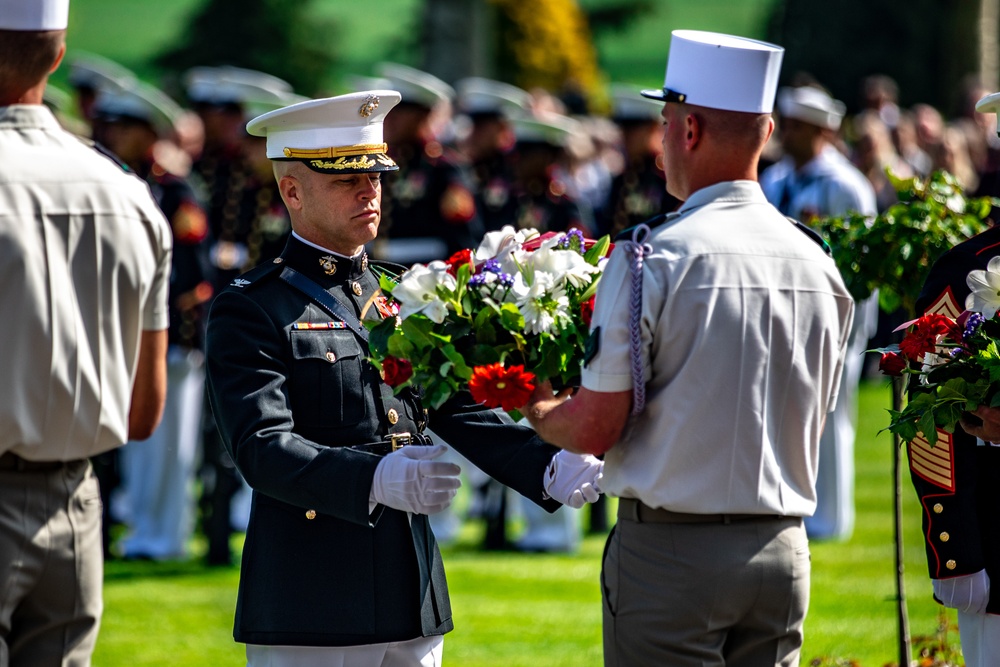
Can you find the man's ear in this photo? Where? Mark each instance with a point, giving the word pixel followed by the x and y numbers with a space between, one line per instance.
pixel 62 52
pixel 291 192
pixel 692 125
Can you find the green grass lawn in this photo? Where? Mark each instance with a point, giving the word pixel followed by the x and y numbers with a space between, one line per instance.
pixel 544 610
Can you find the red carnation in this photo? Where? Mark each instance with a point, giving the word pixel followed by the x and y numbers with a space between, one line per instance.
pixel 396 371
pixel 924 334
pixel 461 257
pixel 892 363
pixel 587 310
pixel 495 386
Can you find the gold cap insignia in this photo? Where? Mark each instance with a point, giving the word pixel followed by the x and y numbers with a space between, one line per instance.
pixel 369 106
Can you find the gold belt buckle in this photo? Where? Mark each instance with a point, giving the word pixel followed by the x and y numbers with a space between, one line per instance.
pixel 399 440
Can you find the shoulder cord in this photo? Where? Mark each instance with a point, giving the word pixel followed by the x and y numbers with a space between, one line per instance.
pixel 636 248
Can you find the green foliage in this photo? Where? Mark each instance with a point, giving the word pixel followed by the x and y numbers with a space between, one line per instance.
pixel 894 252
pixel 281 38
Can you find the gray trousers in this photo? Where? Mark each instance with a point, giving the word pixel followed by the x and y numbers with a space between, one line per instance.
pixel 51 566
pixel 705 594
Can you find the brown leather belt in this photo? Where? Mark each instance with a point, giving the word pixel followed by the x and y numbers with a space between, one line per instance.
pixel 392 442
pixel 631 509
pixel 12 462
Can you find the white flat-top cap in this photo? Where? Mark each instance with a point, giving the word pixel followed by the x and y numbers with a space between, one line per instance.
pixel 34 14
pixel 718 71
pixel 811 105
pixel 340 134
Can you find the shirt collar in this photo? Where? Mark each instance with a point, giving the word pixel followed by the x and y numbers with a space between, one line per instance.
pixel 327 250
pixel 28 115
pixel 748 192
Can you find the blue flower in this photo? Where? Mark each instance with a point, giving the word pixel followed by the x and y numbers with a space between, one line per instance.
pixel 972 324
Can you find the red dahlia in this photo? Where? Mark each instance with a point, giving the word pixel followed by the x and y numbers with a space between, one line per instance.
pixel 495 386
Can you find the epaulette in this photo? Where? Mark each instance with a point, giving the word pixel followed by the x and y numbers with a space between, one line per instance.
pixel 652 223
pixel 812 234
pixel 255 276
pixel 106 152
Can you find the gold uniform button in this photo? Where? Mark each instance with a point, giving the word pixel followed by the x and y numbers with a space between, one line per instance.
pixel 951 565
pixel 938 508
pixel 356 288
pixel 331 357
pixel 278 260
pixel 310 514
pixel 393 416
pixel 944 537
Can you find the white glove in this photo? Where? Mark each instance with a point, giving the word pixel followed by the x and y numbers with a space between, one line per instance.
pixel 969 593
pixel 408 480
pixel 574 479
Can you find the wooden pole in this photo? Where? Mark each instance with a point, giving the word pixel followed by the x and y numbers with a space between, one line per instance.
pixel 902 621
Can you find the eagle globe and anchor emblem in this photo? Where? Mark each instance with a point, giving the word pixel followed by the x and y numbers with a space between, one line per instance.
pixel 368 106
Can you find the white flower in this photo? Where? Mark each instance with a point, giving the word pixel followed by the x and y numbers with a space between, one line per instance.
pixel 502 242
pixel 985 286
pixel 417 291
pixel 543 303
pixel 568 265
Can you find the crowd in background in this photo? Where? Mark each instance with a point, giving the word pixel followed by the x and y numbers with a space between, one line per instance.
pixel 473 157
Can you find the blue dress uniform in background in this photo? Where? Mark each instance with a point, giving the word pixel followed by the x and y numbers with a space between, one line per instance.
pixel 958 479
pixel 248 224
pixel 639 192
pixel 428 207
pixel 157 500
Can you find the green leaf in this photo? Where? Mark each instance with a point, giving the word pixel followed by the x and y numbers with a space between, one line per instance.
pixel 927 425
pixel 598 250
pixel 378 338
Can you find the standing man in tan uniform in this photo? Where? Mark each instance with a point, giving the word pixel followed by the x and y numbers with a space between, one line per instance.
pixel 708 389
pixel 84 267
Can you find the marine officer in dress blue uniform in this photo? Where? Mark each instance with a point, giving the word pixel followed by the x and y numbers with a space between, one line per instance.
pixel 340 565
pixel 958 479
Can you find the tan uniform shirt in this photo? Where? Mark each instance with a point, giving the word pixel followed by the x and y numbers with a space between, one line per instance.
pixel 744 323
pixel 84 269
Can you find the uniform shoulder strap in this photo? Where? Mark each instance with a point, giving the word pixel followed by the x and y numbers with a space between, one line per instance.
pixel 255 276
pixel 813 235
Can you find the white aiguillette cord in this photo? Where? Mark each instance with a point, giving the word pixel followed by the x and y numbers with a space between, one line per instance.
pixel 637 248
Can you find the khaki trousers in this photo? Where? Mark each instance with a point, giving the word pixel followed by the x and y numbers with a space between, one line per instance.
pixel 51 566
pixel 705 594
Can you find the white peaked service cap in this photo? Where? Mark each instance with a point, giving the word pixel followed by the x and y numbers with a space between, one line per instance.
pixel 718 71
pixel 333 135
